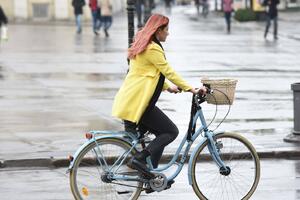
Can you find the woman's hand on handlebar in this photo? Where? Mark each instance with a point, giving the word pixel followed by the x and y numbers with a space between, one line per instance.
pixel 202 90
pixel 174 89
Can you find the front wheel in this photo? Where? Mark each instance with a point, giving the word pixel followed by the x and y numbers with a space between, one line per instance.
pixel 242 174
pixel 89 176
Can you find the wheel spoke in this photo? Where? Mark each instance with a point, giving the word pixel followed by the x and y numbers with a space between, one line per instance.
pixel 240 157
pixel 89 179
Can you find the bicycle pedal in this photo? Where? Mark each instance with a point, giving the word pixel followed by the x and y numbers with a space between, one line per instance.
pixel 169 184
pixel 149 190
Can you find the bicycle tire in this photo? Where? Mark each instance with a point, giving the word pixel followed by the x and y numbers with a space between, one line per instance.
pixel 209 183
pixel 85 176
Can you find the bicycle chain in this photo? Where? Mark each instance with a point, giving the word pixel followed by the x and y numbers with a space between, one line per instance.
pixel 127 185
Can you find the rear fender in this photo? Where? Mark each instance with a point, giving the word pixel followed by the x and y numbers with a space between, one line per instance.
pixel 124 136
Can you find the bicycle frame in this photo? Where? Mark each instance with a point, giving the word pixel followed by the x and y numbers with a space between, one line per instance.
pixel 134 141
pixel 208 136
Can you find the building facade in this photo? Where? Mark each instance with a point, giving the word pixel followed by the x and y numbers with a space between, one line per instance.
pixel 48 9
pixel 63 10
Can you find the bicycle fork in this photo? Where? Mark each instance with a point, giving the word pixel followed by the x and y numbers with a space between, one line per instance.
pixel 214 148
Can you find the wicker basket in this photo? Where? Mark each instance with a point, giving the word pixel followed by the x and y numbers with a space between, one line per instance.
pixel 220 88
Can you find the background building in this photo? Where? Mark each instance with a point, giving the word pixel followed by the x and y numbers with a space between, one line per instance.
pixel 63 10
pixel 48 9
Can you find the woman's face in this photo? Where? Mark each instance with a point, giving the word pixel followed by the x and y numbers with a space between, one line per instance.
pixel 162 33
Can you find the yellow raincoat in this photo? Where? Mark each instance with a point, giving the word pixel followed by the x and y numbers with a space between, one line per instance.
pixel 138 88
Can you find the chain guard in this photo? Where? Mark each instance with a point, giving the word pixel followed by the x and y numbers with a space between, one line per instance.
pixel 159 182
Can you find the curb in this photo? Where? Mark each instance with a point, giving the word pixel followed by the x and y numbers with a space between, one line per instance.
pixel 58 163
pixel 39 162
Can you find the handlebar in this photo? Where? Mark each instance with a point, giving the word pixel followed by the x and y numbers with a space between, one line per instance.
pixel 208 89
pixel 200 98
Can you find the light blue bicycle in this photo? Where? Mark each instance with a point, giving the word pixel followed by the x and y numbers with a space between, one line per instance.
pixel 222 166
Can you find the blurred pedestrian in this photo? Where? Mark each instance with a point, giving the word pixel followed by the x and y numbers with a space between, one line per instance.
pixel 3 25
pixel 197 4
pixel 205 8
pixel 96 15
pixel 78 11
pixel 272 15
pixel 106 15
pixel 138 8
pixel 168 6
pixel 149 5
pixel 3 18
pixel 227 8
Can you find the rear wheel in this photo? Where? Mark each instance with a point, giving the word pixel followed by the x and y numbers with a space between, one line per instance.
pixel 90 180
pixel 241 176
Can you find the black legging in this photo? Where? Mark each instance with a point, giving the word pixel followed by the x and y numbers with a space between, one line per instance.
pixel 161 126
pixel 228 20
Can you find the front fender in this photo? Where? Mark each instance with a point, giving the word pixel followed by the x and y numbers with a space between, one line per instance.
pixel 192 157
pixel 116 135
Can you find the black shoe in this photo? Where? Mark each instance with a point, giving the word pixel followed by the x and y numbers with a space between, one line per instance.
pixel 106 33
pixel 149 190
pixel 130 127
pixel 169 184
pixel 96 33
pixel 138 162
pixel 141 166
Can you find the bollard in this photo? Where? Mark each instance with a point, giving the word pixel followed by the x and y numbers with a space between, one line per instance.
pixel 296 89
pixel 295 136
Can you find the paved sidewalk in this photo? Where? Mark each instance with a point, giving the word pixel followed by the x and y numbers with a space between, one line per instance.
pixel 56 85
pixel 286 23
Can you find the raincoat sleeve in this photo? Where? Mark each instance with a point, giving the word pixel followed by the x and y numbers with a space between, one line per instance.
pixel 166 85
pixel 155 55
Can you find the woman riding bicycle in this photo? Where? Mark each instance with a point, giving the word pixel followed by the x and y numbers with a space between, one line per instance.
pixel 136 99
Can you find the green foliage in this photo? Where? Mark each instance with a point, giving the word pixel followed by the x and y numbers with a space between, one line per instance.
pixel 244 15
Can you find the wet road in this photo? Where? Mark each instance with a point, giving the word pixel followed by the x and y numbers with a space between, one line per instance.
pixel 277 183
pixel 55 85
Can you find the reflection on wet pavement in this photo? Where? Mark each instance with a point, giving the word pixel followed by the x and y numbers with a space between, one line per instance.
pixel 56 82
pixel 280 180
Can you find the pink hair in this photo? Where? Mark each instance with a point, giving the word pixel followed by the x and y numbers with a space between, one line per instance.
pixel 145 35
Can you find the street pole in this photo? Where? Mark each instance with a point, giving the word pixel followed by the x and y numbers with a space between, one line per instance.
pixel 130 15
